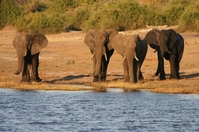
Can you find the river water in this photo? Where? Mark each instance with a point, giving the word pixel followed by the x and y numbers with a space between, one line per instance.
pixel 112 111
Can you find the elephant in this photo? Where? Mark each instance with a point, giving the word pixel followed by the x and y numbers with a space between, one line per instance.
pixel 169 45
pixel 97 41
pixel 133 50
pixel 28 47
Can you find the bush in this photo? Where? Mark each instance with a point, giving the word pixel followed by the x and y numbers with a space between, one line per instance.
pixel 174 11
pixel 52 16
pixel 8 12
pixel 189 20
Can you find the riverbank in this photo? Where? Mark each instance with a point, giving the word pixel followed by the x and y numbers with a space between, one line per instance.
pixel 65 65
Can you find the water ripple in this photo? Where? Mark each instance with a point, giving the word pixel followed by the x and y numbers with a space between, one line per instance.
pixel 91 111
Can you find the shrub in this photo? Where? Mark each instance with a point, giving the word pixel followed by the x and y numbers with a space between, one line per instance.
pixel 174 10
pixel 8 12
pixel 52 16
pixel 189 20
pixel 79 16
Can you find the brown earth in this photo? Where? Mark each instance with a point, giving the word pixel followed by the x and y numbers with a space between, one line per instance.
pixel 65 63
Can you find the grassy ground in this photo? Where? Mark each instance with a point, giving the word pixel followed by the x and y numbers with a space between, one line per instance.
pixel 65 65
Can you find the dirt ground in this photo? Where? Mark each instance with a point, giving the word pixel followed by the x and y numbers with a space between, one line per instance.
pixel 66 60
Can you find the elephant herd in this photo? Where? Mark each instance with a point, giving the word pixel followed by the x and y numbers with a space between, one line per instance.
pixel 167 43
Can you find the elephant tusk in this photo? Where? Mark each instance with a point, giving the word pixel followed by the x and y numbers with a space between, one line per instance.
pixel 104 50
pixel 136 58
pixel 105 56
pixel 123 58
pixel 92 57
pixel 169 52
pixel 15 56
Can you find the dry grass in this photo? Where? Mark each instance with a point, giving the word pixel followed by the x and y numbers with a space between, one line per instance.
pixel 167 86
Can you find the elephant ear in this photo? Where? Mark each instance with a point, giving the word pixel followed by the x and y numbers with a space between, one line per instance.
pixel 137 41
pixel 117 44
pixel 89 39
pixel 20 44
pixel 151 38
pixel 172 35
pixel 111 34
pixel 39 42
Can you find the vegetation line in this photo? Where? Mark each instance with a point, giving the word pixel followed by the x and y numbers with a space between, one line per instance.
pixel 52 16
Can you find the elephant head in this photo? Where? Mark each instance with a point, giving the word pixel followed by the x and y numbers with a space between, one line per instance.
pixel 28 43
pixel 129 48
pixel 164 39
pixel 97 41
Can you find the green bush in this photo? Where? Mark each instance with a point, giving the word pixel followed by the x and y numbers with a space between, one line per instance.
pixel 174 11
pixel 189 20
pixel 52 16
pixel 8 12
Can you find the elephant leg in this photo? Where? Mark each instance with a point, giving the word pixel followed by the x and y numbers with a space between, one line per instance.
pixel 95 77
pixel 158 68
pixel 126 71
pixel 161 66
pixel 104 65
pixel 162 72
pixel 103 69
pixel 141 77
pixel 174 66
pixel 25 72
pixel 35 64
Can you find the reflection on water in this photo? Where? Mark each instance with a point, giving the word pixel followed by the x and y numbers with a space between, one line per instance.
pixel 90 111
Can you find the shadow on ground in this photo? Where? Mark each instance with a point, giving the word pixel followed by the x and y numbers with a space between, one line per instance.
pixel 70 77
pixel 193 75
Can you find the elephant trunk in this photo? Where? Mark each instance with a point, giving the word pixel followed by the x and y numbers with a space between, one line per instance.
pixel 20 64
pixel 164 49
pixel 132 64
pixel 97 71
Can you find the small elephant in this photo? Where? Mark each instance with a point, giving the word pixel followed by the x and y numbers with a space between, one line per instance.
pixel 133 51
pixel 28 47
pixel 169 45
pixel 97 41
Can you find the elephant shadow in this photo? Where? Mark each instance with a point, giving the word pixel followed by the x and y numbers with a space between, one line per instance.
pixel 193 75
pixel 70 77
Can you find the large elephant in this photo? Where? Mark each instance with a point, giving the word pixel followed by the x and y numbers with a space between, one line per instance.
pixel 28 47
pixel 97 41
pixel 133 51
pixel 169 45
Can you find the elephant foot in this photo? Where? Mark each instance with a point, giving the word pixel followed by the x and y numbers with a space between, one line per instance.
pixel 162 78
pixel 25 79
pixel 16 73
pixel 173 77
pixel 126 78
pixel 96 79
pixel 157 73
pixel 36 79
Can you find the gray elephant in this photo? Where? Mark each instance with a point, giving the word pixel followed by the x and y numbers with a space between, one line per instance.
pixel 28 47
pixel 97 41
pixel 169 45
pixel 133 51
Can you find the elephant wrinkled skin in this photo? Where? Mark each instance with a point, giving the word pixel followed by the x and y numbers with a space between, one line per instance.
pixel 169 45
pixel 97 41
pixel 28 47
pixel 133 51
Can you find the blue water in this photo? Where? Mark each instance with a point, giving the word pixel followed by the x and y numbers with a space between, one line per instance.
pixel 112 111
